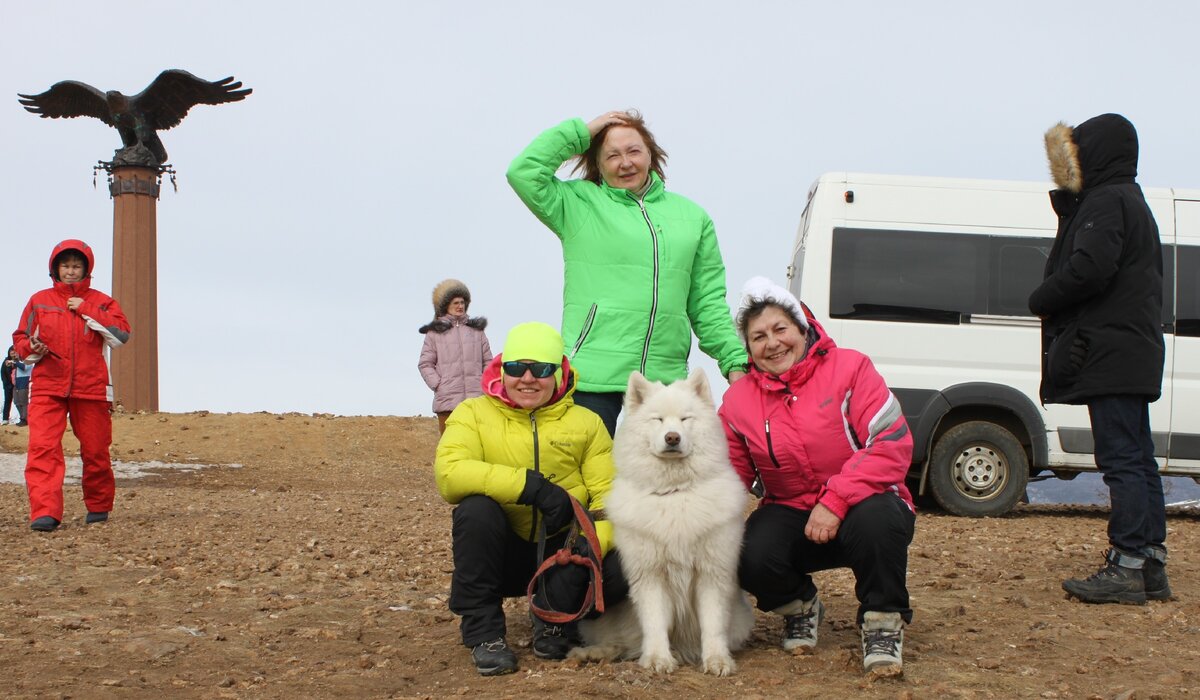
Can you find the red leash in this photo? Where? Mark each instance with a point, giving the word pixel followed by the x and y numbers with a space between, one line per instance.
pixel 567 557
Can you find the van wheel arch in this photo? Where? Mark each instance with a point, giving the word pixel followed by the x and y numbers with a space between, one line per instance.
pixel 931 414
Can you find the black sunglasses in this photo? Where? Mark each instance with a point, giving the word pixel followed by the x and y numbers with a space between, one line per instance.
pixel 540 370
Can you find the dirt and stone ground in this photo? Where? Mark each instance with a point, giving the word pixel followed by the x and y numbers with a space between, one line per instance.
pixel 321 566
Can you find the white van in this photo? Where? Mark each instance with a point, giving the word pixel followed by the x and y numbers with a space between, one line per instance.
pixel 930 278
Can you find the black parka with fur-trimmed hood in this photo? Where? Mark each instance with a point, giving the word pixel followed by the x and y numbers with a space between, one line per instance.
pixel 1101 299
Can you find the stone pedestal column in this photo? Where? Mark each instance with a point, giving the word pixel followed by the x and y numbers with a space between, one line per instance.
pixel 134 365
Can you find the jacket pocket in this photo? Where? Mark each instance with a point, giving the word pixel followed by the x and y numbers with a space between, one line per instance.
pixel 1066 355
pixel 584 331
pixel 53 330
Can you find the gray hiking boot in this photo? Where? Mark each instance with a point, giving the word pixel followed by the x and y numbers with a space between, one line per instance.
pixel 1120 580
pixel 494 658
pixel 1154 573
pixel 800 629
pixel 883 643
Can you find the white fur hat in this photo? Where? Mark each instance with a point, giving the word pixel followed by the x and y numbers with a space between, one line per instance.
pixel 761 288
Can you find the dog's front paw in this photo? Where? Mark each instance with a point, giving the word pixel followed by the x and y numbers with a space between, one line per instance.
pixel 720 665
pixel 659 663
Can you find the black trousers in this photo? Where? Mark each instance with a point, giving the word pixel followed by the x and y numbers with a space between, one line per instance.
pixel 1125 456
pixel 777 559
pixel 607 405
pixel 491 563
pixel 8 398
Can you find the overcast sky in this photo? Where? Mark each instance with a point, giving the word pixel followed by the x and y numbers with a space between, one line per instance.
pixel 314 218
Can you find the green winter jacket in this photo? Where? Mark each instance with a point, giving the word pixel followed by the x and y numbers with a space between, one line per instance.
pixel 490 445
pixel 639 276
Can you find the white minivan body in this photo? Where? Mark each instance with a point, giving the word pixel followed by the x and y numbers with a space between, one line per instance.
pixel 930 278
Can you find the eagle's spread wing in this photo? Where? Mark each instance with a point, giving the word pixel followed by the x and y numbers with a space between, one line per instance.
pixel 69 98
pixel 167 100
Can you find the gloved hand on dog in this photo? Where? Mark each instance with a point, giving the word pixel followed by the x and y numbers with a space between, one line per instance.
pixel 550 498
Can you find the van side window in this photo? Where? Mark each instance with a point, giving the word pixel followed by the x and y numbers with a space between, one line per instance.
pixel 929 277
pixel 1020 266
pixel 1187 300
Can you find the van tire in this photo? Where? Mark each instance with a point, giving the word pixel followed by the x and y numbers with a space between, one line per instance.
pixel 978 469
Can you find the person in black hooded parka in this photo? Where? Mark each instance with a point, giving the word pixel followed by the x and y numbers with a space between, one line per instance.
pixel 1102 342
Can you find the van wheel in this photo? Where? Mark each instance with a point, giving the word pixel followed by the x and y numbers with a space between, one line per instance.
pixel 978 469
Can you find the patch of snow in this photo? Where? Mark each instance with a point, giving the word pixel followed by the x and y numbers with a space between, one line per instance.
pixel 12 468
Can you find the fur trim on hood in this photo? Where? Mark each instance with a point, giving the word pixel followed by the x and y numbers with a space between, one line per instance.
pixel 443 294
pixel 1102 150
pixel 1064 158
pixel 441 325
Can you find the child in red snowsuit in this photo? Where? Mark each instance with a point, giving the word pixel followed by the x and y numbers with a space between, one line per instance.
pixel 64 331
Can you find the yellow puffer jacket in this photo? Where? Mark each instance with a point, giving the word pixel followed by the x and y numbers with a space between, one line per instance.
pixel 489 446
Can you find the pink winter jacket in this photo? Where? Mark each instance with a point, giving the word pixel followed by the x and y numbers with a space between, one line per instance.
pixel 828 431
pixel 452 360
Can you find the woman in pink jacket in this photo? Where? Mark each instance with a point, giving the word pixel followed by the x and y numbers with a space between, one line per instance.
pixel 815 432
pixel 455 350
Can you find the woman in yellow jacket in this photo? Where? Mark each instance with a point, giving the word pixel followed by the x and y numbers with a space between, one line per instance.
pixel 507 460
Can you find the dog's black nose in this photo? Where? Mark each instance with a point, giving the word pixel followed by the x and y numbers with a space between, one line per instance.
pixel 672 439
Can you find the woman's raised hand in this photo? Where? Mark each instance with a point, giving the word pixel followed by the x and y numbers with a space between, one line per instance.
pixel 606 119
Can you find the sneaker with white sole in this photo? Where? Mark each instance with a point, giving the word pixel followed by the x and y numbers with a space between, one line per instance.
pixel 800 629
pixel 883 643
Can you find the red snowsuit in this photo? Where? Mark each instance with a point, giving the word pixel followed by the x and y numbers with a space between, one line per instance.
pixel 70 379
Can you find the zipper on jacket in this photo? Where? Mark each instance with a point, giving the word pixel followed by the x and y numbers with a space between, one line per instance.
pixel 770 446
pixel 71 364
pixel 583 333
pixel 533 529
pixel 654 287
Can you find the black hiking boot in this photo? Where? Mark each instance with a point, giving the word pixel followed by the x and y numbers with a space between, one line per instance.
pixel 44 524
pixel 1120 580
pixel 551 641
pixel 494 658
pixel 1154 574
pixel 93 518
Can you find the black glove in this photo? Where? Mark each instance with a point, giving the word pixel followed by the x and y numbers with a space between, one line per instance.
pixel 551 499
pixel 1078 353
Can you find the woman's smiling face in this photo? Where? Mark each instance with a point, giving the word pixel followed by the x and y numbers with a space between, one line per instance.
pixel 527 391
pixel 775 341
pixel 624 160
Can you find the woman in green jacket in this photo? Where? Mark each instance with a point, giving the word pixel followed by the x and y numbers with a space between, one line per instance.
pixel 641 265
pixel 507 461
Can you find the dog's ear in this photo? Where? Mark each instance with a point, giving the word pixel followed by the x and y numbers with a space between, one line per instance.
pixel 698 381
pixel 636 390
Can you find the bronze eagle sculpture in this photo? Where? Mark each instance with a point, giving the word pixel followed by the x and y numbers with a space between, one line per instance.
pixel 162 105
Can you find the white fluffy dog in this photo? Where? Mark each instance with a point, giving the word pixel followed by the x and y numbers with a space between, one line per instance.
pixel 677 510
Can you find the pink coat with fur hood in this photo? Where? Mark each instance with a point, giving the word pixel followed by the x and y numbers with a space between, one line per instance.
pixel 455 351
pixel 452 361
pixel 827 431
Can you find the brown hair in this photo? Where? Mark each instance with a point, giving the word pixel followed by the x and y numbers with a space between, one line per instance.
pixel 588 162
pixel 755 309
